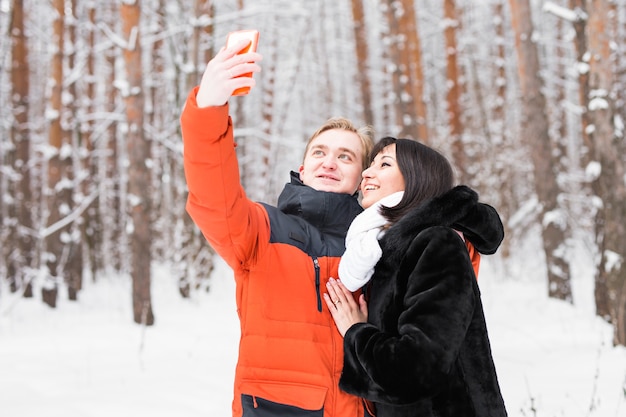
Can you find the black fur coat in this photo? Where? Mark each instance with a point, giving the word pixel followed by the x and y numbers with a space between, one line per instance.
pixel 425 350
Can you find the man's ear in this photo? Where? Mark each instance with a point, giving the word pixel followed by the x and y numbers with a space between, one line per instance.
pixel 300 170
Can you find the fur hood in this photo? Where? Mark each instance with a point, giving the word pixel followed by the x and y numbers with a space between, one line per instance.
pixel 458 208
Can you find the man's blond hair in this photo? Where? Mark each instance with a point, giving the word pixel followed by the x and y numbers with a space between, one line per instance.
pixel 365 133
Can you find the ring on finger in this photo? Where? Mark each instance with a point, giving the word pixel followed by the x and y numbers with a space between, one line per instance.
pixel 335 302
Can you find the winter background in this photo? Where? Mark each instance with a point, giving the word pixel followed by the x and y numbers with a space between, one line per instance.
pixel 87 358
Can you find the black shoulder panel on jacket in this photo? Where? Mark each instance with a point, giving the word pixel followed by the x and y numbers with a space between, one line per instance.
pixel 292 230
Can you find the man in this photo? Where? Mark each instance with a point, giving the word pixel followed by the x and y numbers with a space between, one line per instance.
pixel 290 353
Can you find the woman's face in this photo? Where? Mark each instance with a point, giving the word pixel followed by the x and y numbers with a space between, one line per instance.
pixel 382 178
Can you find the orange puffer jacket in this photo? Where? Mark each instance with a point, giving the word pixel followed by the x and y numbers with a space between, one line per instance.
pixel 290 352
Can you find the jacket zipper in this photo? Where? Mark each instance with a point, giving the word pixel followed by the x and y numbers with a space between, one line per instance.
pixel 316 264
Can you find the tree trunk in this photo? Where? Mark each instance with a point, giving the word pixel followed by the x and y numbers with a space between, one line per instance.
pixel 500 68
pixel 162 202
pixel 92 226
pixel 362 58
pixel 415 72
pixel 199 53
pixel 113 239
pixel 56 166
pixel 189 243
pixel 20 257
pixel 562 163
pixel 138 148
pixel 582 66
pixel 393 52
pixel 498 122
pixel 535 129
pixel 207 7
pixel 559 111
pixel 407 76
pixel 453 90
pixel 262 179
pixel 73 244
pixel 608 185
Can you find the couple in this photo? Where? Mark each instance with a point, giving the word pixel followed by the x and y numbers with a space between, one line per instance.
pixel 413 342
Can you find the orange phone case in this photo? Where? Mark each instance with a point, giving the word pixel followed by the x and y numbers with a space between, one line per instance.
pixel 233 37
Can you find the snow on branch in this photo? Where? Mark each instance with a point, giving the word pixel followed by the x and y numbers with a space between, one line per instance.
pixel 73 216
pixel 564 13
pixel 117 39
pixel 526 214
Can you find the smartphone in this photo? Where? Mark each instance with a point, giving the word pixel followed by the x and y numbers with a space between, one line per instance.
pixel 233 37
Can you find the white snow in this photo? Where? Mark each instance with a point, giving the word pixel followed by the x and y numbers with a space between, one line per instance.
pixel 87 358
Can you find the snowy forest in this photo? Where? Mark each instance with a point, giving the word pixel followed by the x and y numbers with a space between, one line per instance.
pixel 526 97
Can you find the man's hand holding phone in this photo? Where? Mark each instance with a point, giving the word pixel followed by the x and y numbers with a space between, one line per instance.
pixel 235 39
pixel 230 71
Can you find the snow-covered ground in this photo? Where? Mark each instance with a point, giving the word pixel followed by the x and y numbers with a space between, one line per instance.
pixel 87 358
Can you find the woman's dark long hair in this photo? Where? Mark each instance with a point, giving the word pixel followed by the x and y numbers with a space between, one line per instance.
pixel 427 174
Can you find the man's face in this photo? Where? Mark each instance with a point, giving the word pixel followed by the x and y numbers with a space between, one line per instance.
pixel 333 162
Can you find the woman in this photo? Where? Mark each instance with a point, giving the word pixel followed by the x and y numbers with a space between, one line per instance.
pixel 419 347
